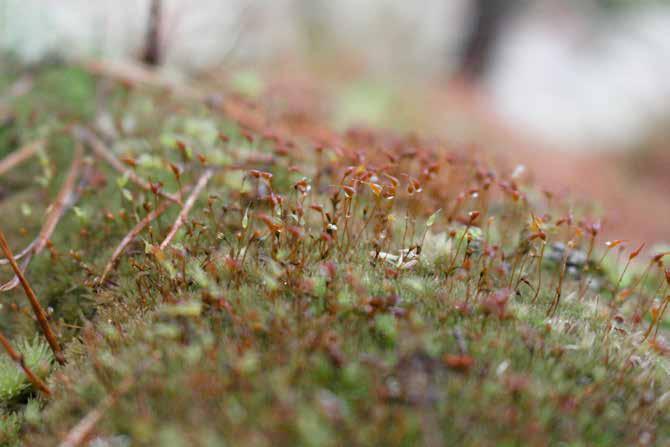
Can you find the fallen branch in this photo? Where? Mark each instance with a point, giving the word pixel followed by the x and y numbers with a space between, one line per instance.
pixel 137 229
pixel 34 302
pixel 101 151
pixel 183 214
pixel 18 358
pixel 19 156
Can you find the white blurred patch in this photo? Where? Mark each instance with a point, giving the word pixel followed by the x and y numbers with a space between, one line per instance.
pixel 569 77
pixel 576 81
pixel 196 33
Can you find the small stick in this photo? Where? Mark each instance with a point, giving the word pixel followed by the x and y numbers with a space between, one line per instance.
pixel 137 74
pixel 100 150
pixel 137 229
pixel 20 155
pixel 34 302
pixel 55 213
pixel 183 214
pixel 80 433
pixel 18 358
pixel 14 282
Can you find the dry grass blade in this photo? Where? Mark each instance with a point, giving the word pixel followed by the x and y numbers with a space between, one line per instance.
pixel 19 156
pixel 34 302
pixel 137 229
pixel 80 433
pixel 101 151
pixel 56 211
pixel 183 214
pixel 18 358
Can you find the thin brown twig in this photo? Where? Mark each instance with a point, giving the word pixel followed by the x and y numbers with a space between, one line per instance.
pixel 101 151
pixel 14 282
pixel 55 213
pixel 34 302
pixel 137 229
pixel 19 359
pixel 20 155
pixel 183 214
pixel 137 74
pixel 58 207
pixel 80 433
pixel 22 254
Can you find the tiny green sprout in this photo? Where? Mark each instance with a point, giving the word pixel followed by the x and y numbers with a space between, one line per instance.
pixel 47 169
pixel 245 219
pixel 32 412
pixel 431 219
pixel 187 309
pixel 122 180
pixel 10 428
pixel 26 210
pixel 127 194
pixel 13 381
pixel 385 324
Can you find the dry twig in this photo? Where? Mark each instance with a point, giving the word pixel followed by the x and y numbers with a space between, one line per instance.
pixel 183 214
pixel 137 74
pixel 34 302
pixel 137 229
pixel 64 199
pixel 20 155
pixel 101 151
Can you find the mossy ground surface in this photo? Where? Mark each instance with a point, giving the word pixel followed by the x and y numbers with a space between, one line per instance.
pixel 315 295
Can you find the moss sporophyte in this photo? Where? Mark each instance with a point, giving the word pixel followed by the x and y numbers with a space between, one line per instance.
pixel 224 269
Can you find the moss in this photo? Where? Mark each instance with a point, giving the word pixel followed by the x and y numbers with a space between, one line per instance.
pixel 10 429
pixel 13 382
pixel 281 328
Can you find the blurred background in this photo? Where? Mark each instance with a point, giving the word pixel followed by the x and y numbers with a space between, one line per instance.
pixel 577 90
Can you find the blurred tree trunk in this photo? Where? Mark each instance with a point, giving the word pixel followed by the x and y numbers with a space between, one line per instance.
pixel 152 45
pixel 479 44
pixel 312 19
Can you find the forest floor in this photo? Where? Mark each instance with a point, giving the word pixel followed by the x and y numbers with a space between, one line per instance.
pixel 223 261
